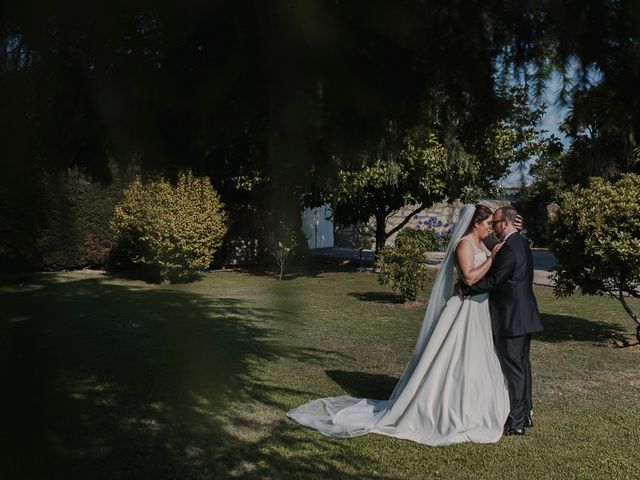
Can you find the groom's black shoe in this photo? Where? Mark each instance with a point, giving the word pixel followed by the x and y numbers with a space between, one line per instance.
pixel 513 431
pixel 528 421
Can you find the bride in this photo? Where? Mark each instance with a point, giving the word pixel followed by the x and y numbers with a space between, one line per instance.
pixel 452 389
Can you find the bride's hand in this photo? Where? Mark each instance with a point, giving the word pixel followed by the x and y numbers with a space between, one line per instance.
pixel 496 249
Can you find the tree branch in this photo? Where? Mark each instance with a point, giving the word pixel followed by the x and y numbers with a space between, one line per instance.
pixel 366 234
pixel 406 220
pixel 626 307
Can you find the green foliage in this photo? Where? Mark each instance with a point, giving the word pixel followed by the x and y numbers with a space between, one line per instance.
pixel 77 232
pixel 247 134
pixel 513 139
pixel 402 170
pixel 596 239
pixel 402 267
pixel 419 240
pixel 603 127
pixel 61 221
pixel 427 165
pixel 518 135
pixel 548 183
pixel 416 61
pixel 176 228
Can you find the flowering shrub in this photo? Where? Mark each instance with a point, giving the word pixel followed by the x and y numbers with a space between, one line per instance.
pixel 441 229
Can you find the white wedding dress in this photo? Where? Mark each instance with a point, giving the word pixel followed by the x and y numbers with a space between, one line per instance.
pixel 452 389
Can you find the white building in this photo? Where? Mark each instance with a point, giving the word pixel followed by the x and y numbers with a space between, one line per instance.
pixel 317 226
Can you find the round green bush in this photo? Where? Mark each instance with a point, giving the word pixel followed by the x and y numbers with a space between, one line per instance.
pixel 402 267
pixel 175 228
pixel 596 240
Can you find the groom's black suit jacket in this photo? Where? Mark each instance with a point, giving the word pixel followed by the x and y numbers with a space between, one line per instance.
pixel 514 310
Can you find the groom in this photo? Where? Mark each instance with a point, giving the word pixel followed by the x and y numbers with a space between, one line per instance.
pixel 514 314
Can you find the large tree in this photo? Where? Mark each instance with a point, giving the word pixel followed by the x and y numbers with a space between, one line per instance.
pixel 272 87
pixel 428 164
pixel 593 45
pixel 402 171
pixel 263 95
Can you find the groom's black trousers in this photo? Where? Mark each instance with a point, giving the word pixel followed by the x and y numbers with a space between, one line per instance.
pixel 513 353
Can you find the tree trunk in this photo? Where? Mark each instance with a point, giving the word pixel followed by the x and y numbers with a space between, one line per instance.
pixel 381 231
pixel 629 312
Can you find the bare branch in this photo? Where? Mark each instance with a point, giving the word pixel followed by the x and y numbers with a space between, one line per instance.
pixel 406 220
pixel 627 308
pixel 370 233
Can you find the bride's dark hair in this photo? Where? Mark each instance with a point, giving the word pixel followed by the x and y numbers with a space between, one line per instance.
pixel 480 215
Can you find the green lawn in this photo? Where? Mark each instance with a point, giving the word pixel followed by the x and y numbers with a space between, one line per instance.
pixel 111 378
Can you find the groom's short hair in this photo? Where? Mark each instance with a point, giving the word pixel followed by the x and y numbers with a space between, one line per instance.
pixel 509 213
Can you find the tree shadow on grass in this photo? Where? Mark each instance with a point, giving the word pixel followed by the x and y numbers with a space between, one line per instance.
pixel 364 385
pixel 378 297
pixel 109 381
pixel 316 457
pixel 310 270
pixel 562 328
pixel 19 278
pixel 150 276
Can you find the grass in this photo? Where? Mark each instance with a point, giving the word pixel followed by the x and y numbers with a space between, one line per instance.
pixel 113 378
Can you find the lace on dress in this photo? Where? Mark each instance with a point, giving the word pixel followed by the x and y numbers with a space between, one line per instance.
pixel 481 253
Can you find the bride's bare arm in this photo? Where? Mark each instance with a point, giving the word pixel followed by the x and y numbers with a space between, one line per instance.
pixel 466 255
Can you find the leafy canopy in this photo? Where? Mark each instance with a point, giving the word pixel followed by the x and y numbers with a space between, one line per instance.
pixel 402 171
